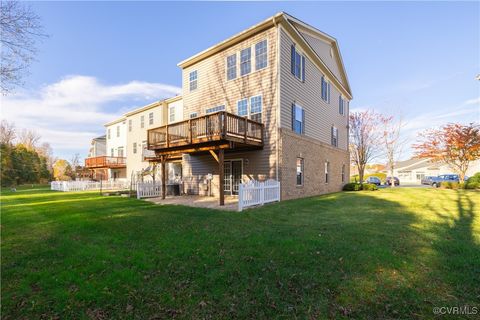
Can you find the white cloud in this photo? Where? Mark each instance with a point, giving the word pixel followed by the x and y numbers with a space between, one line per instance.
pixel 70 112
pixel 473 101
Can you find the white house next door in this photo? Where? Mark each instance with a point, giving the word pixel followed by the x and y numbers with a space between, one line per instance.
pixel 233 171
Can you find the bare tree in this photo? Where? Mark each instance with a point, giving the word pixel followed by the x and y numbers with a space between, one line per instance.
pixel 365 139
pixel 29 138
pixel 20 28
pixel 7 132
pixel 391 142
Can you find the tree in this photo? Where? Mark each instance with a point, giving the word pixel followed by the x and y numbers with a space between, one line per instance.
pixel 29 138
pixel 391 142
pixel 62 170
pixel 364 139
pixel 7 132
pixel 455 144
pixel 20 28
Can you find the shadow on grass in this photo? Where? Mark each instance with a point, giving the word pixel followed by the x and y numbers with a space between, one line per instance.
pixel 345 255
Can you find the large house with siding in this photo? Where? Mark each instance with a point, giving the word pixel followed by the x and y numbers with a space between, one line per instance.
pixel 271 102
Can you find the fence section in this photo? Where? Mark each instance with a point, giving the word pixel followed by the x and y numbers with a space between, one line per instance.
pixel 67 186
pixel 255 193
pixel 149 189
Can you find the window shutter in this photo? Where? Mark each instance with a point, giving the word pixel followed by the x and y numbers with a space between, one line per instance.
pixel 331 136
pixel 303 68
pixel 293 60
pixel 328 92
pixel 293 116
pixel 303 121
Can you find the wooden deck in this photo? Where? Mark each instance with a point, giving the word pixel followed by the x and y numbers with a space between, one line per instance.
pixel 221 130
pixel 105 162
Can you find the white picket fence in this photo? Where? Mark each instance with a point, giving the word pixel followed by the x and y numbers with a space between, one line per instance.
pixel 67 186
pixel 254 193
pixel 149 189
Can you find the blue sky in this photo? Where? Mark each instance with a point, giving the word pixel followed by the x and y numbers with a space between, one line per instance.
pixel 417 60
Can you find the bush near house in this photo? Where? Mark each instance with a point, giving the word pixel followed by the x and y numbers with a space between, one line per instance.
pixel 358 187
pixel 452 185
pixel 473 182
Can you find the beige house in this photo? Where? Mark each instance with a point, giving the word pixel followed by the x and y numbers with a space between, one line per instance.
pixel 271 102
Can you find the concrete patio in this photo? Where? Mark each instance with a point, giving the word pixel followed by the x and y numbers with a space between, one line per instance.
pixel 231 203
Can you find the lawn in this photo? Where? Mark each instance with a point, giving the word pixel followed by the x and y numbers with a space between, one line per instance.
pixel 384 254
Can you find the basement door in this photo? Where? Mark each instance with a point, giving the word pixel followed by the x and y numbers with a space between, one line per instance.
pixel 233 171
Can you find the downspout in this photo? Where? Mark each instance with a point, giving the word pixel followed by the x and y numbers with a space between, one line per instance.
pixel 278 101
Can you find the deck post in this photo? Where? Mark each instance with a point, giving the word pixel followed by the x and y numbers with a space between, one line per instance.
pixel 164 185
pixel 221 177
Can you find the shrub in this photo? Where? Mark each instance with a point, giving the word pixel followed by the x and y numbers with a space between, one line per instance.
pixel 358 187
pixel 452 185
pixel 473 182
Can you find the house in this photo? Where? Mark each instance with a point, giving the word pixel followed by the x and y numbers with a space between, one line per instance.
pixel 413 170
pixel 271 102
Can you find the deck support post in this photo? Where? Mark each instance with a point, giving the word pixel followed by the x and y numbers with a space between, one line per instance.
pixel 163 160
pixel 221 177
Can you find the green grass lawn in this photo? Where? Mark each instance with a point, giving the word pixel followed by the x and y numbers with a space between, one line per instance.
pixel 384 254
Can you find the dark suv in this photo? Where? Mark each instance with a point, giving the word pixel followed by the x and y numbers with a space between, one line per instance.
pixel 374 180
pixel 388 182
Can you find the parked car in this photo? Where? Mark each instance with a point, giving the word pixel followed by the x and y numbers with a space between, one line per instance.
pixel 396 181
pixel 374 180
pixel 428 180
pixel 436 181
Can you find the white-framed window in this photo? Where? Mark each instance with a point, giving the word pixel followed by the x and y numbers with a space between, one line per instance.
pixel 193 115
pixel 334 133
pixel 261 55
pixel 232 66
pixel 245 61
pixel 242 107
pixel 171 114
pixel 327 169
pixel 120 151
pixel 129 125
pixel 193 78
pixel 215 109
pixel 142 121
pixel 256 108
pixel 297 63
pixel 298 119
pixel 134 147
pixel 109 133
pixel 343 172
pixel 150 118
pixel 118 131
pixel 300 169
pixel 325 90
pixel 341 105
pixel 112 154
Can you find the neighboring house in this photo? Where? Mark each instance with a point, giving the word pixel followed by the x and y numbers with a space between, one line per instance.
pixel 98 147
pixel 271 102
pixel 413 170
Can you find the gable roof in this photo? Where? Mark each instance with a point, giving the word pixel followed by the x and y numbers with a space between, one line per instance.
pixel 292 25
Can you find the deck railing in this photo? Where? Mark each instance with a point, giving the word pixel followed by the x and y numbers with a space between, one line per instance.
pixel 211 127
pixel 105 161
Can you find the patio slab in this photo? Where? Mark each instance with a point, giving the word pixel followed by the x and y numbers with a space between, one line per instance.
pixel 231 203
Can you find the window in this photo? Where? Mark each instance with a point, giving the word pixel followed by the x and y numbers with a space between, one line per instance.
pixel 142 122
pixel 171 113
pixel 261 55
pixel 193 115
pixel 193 80
pixel 245 60
pixel 150 118
pixel 111 153
pixel 334 133
pixel 118 131
pixel 120 151
pixel 298 119
pixel 109 133
pixel 325 90
pixel 134 147
pixel 341 105
pixel 297 64
pixel 256 108
pixel 144 145
pixel 343 172
pixel 215 109
pixel 242 107
pixel 130 125
pixel 299 171
pixel 232 67
pixel 327 169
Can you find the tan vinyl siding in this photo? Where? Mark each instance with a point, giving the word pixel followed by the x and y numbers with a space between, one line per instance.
pixel 319 115
pixel 213 90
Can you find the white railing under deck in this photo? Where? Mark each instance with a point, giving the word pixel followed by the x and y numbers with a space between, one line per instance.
pixel 253 193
